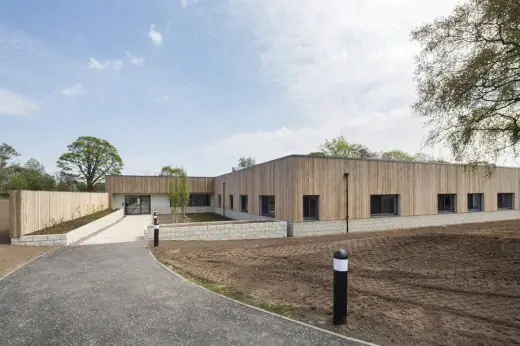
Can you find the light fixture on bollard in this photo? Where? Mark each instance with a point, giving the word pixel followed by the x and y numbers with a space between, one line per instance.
pixel 155 229
pixel 339 306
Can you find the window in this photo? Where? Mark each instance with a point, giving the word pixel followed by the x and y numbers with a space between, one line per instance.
pixel 311 206
pixel 505 201
pixel 243 203
pixel 199 200
pixel 267 206
pixel 384 205
pixel 230 202
pixel 446 203
pixel 475 202
pixel 220 201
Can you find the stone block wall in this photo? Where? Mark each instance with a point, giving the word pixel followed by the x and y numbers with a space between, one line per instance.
pixel 238 215
pixel 314 228
pixel 226 230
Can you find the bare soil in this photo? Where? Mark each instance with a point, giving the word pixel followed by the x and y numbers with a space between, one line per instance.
pixel 457 285
pixel 198 217
pixel 13 256
pixel 71 225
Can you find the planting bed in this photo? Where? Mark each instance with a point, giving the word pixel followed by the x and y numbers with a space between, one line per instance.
pixel 71 225
pixel 198 217
pixel 450 285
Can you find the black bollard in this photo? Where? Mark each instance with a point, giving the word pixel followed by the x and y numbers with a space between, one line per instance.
pixel 339 308
pixel 155 229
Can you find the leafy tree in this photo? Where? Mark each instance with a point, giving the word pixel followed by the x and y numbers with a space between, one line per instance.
pixel 90 160
pixel 245 162
pixel 7 153
pixel 339 147
pixel 30 176
pixel 170 171
pixel 317 153
pixel 468 79
pixel 397 155
pixel 179 190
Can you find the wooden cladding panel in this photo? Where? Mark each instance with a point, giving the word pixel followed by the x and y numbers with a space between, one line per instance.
pixel 272 178
pixel 418 185
pixel 122 184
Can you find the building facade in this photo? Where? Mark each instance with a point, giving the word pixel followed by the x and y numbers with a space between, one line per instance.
pixel 318 194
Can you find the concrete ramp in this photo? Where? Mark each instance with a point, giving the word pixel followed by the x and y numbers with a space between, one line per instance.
pixel 129 229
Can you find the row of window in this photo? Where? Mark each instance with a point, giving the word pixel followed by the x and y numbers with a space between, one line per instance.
pixel 380 205
pixel 446 203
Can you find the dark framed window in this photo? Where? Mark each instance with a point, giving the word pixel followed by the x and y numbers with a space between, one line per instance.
pixel 267 205
pixel 384 205
pixel 447 203
pixel 220 201
pixel 311 207
pixel 506 201
pixel 243 203
pixel 475 201
pixel 230 202
pixel 199 200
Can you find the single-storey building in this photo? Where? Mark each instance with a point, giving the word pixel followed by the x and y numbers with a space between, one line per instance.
pixel 323 195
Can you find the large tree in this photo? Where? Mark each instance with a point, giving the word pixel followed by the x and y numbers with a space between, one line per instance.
pixel 397 155
pixel 90 159
pixel 339 147
pixel 245 162
pixel 7 153
pixel 468 79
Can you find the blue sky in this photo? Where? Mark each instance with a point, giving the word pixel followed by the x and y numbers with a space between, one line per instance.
pixel 200 83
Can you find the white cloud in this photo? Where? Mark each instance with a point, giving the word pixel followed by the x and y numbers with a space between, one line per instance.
pixel 341 66
pixel 184 3
pixel 155 35
pixel 15 104
pixel 95 64
pixel 162 99
pixel 74 90
pixel 135 60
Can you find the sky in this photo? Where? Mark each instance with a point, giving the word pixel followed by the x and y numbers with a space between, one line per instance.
pixel 200 83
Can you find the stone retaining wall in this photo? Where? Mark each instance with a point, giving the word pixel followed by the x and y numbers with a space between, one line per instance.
pixel 225 230
pixel 314 228
pixel 238 215
pixel 73 236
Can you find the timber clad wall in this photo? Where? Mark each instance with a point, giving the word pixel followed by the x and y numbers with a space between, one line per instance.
pixel 34 210
pixel 126 184
pixel 270 178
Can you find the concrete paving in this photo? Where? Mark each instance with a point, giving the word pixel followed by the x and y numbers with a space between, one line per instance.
pixel 117 294
pixel 129 229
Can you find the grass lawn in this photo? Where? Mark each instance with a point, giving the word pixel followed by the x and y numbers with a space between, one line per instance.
pixel 68 226
pixel 13 256
pixel 198 217
pixel 453 285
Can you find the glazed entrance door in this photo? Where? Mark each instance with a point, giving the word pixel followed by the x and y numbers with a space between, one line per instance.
pixel 136 205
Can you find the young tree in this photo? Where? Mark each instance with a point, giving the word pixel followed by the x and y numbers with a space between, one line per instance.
pixel 468 79
pixel 245 162
pixel 179 190
pixel 170 171
pixel 184 192
pixel 90 159
pixel 175 198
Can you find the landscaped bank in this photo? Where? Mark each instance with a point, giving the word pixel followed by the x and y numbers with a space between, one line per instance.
pixel 71 232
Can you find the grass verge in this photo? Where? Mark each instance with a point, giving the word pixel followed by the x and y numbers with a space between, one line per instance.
pixel 231 292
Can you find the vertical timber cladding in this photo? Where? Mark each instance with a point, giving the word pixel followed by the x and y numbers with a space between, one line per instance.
pixel 273 178
pixel 417 184
pixel 128 184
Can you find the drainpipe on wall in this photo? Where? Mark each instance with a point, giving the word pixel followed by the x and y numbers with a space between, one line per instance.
pixel 223 199
pixel 346 198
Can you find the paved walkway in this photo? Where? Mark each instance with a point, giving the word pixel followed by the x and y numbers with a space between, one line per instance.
pixel 131 228
pixel 116 294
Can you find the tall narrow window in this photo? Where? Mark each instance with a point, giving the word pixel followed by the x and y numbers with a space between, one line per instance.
pixel 475 201
pixel 384 205
pixel 505 201
pixel 231 202
pixel 311 206
pixel 267 206
pixel 446 203
pixel 220 201
pixel 243 203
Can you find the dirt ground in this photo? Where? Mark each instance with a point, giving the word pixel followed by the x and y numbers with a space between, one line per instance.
pixel 68 226
pixel 456 285
pixel 13 256
pixel 198 217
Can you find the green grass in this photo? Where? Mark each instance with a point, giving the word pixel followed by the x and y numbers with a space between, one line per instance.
pixel 231 292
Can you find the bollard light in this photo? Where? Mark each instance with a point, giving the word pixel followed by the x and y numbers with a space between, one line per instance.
pixel 339 308
pixel 155 229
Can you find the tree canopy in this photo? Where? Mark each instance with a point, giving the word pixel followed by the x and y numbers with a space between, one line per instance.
pixel 397 155
pixel 171 171
pixel 90 159
pixel 468 79
pixel 245 162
